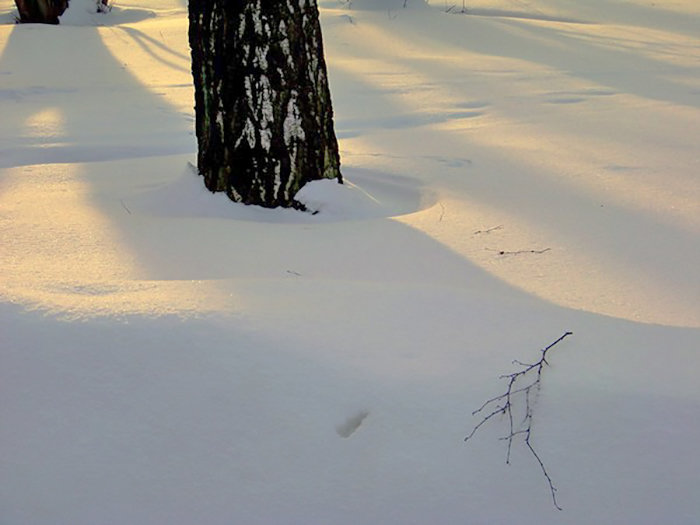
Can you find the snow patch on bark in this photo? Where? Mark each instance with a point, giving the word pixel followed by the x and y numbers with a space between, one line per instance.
pixel 293 129
pixel 265 112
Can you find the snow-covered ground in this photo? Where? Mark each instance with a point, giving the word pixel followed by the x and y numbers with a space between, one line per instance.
pixel 514 172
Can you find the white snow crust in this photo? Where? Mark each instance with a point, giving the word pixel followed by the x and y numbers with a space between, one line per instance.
pixel 513 172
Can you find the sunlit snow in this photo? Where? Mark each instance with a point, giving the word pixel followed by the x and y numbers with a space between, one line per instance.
pixel 513 172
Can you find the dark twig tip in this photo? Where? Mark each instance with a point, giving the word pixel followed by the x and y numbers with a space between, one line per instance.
pixel 525 427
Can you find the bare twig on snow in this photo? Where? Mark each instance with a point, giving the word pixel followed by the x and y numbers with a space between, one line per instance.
pixel 531 376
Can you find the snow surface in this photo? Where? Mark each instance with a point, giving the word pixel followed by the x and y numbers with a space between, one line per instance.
pixel 514 172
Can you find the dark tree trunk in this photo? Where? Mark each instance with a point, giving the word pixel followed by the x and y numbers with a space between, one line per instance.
pixel 40 11
pixel 264 119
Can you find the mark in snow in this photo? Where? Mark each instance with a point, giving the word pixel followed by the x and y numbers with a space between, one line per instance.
pixel 351 425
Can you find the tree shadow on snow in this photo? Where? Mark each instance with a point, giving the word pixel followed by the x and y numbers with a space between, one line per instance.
pixel 619 64
pixel 328 319
pixel 53 113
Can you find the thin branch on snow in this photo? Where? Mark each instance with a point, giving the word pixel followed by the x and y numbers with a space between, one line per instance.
pixel 442 212
pixel 531 376
pixel 489 230
pixel 519 252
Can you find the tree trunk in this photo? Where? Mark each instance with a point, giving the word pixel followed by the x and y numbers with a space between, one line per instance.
pixel 40 11
pixel 264 119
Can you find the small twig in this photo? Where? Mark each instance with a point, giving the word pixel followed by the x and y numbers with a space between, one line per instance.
pixel 292 272
pixel 124 206
pixel 518 252
pixel 442 212
pixel 489 230
pixel 503 405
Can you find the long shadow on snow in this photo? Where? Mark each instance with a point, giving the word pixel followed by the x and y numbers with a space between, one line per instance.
pixel 98 126
pixel 560 48
pixel 107 115
pixel 652 17
pixel 192 414
pixel 614 233
pixel 193 420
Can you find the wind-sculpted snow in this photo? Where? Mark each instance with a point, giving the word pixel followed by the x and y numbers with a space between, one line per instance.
pixel 168 356
pixel 365 195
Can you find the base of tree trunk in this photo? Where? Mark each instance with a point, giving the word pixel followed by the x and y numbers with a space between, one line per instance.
pixel 40 11
pixel 264 118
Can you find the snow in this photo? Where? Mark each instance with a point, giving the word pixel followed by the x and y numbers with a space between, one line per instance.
pixel 515 172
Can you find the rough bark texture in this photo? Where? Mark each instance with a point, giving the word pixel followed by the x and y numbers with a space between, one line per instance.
pixel 40 11
pixel 264 119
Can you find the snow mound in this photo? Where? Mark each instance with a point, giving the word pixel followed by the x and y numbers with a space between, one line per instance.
pixel 364 195
pixel 85 13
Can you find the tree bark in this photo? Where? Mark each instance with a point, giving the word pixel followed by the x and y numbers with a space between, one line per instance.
pixel 264 119
pixel 40 11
